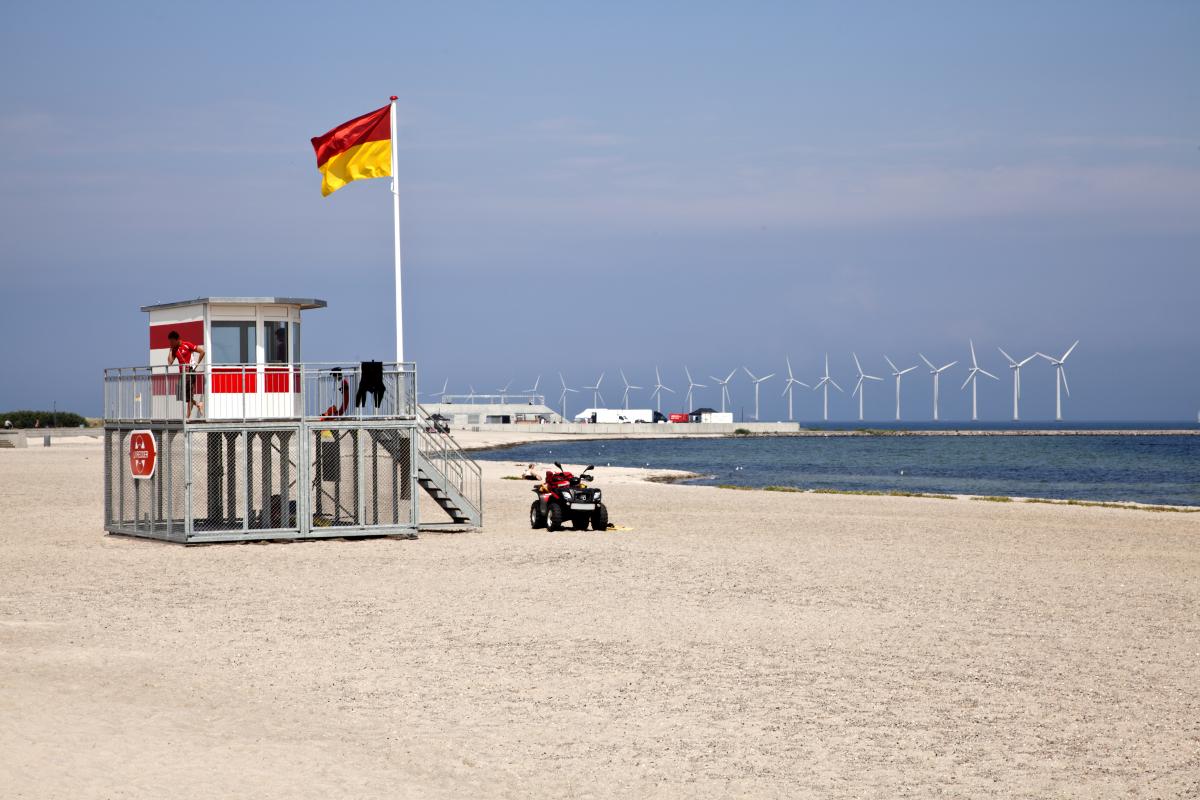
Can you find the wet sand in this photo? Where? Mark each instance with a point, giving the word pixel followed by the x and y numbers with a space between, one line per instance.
pixel 729 644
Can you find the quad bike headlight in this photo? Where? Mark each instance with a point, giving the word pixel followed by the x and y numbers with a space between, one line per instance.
pixel 597 495
pixel 566 494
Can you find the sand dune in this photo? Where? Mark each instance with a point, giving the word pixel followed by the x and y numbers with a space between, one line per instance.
pixel 730 644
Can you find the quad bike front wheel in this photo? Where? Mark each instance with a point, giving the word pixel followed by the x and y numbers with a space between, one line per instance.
pixel 536 518
pixel 600 518
pixel 554 517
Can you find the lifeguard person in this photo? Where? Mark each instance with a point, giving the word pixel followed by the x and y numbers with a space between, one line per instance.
pixel 189 381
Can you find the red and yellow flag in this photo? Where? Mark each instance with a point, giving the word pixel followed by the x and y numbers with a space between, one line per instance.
pixel 360 148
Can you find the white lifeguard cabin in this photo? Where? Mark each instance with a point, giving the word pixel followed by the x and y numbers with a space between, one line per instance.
pixel 252 349
pixel 284 449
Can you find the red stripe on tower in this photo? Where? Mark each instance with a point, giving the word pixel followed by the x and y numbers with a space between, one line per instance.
pixel 188 331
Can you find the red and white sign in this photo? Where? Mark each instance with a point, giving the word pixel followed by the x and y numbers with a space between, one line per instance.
pixel 143 455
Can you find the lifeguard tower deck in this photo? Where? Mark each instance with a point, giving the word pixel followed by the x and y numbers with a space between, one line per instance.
pixel 284 449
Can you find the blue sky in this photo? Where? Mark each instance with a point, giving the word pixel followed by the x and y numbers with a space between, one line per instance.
pixel 587 187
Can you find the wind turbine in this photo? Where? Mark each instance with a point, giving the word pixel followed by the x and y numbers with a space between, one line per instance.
pixel 504 390
pixel 825 383
pixel 725 387
pixel 562 398
pixel 658 389
pixel 533 389
pixel 787 387
pixel 899 373
pixel 628 386
pixel 757 381
pixel 442 393
pixel 597 398
pixel 471 396
pixel 858 387
pixel 1060 379
pixel 1015 366
pixel 936 372
pixel 973 379
pixel 691 385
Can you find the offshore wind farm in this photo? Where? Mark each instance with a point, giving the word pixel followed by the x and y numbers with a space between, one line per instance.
pixel 682 394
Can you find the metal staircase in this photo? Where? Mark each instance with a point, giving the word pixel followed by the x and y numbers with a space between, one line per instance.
pixel 451 477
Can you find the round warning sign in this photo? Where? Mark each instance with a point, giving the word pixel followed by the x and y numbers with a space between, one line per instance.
pixel 143 455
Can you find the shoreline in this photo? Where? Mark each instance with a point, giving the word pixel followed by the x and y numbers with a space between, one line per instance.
pixel 678 430
pixel 687 477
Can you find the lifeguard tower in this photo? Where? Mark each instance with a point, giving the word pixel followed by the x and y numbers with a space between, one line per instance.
pixel 284 449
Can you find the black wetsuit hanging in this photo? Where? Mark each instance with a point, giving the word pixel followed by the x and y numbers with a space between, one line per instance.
pixel 370 381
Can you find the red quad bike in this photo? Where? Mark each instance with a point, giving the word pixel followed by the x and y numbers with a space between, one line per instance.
pixel 566 497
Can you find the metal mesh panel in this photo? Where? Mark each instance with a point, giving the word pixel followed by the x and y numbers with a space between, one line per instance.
pixel 112 479
pixel 387 475
pixel 140 506
pixel 273 474
pixel 335 479
pixel 176 478
pixel 218 470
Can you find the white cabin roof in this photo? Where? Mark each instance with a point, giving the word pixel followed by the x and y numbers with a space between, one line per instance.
pixel 303 302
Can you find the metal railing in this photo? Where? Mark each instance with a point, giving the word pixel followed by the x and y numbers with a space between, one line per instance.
pixel 314 390
pixel 443 453
pixel 493 399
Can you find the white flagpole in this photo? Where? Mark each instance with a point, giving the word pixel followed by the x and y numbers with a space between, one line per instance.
pixel 396 220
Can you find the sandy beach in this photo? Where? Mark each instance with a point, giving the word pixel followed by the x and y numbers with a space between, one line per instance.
pixel 729 644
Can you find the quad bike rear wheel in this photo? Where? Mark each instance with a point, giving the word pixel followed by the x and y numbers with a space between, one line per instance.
pixel 536 518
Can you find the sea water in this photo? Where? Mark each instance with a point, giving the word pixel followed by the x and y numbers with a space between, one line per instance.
pixel 1162 469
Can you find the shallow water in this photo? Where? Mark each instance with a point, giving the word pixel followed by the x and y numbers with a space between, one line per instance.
pixel 1145 469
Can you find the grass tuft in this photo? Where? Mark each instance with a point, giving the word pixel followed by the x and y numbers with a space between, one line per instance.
pixel 892 493
pixel 1124 506
pixel 995 498
pixel 781 489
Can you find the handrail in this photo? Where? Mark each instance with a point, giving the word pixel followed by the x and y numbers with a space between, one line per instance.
pixel 505 399
pixel 443 453
pixel 312 390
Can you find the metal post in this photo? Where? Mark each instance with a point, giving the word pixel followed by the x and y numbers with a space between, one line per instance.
pixel 107 478
pixel 168 465
pixel 359 492
pixel 285 501
pixel 245 482
pixel 188 527
pixel 267 468
pixel 303 480
pixel 230 479
pixel 414 506
pixel 158 480
pixel 374 479
pixel 395 491
pixel 121 478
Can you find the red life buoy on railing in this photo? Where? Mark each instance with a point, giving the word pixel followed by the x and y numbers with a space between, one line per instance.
pixel 334 411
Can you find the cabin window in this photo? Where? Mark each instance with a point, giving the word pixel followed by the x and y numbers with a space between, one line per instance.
pixel 232 343
pixel 275 342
